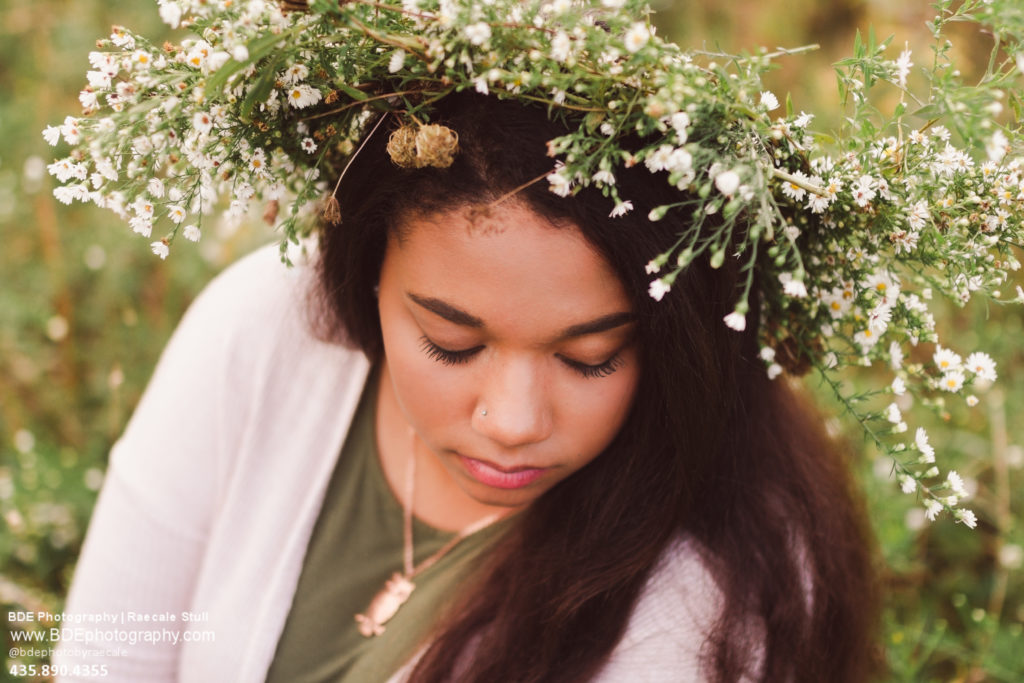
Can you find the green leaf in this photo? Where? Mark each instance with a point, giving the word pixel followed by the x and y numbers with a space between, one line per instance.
pixel 261 89
pixel 354 93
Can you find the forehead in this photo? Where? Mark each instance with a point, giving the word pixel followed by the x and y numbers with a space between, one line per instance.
pixel 506 261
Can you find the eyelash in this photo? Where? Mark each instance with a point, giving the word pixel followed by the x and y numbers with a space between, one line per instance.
pixel 448 357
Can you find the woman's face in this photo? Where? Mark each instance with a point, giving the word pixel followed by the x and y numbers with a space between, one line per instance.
pixel 509 346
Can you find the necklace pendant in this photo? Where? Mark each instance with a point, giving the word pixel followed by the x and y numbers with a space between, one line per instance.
pixel 384 605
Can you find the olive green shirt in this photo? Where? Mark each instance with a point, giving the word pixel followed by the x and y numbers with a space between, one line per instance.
pixel 356 545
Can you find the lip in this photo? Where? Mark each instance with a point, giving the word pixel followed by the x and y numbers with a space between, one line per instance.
pixel 490 474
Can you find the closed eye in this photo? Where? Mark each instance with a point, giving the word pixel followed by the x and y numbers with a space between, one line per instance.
pixel 591 371
pixel 447 356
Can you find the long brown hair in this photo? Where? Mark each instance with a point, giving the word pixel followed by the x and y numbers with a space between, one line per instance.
pixel 712 451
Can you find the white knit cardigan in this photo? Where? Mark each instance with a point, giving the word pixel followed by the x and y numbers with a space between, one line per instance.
pixel 213 490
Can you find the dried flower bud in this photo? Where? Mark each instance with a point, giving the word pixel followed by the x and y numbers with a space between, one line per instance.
pixel 436 146
pixel 402 147
pixel 332 211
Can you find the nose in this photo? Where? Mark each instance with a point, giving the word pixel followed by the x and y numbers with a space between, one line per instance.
pixel 517 407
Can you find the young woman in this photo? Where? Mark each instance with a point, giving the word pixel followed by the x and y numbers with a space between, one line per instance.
pixel 472 399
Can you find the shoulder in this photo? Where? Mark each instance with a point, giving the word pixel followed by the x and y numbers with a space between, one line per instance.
pixel 257 288
pixel 671 621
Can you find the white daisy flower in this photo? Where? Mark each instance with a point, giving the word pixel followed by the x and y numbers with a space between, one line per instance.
pixel 972 400
pixel 982 365
pixel 303 95
pixel 191 233
pixel 295 74
pixel 898 386
pixel 160 249
pixel 308 145
pixel 637 36
pixel 892 414
pixel 769 101
pixel 176 213
pixel 932 508
pixel 863 190
pixel 907 483
pixel 946 359
pixel 952 381
pixel 774 370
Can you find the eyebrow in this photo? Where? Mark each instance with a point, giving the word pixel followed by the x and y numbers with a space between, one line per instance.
pixel 459 317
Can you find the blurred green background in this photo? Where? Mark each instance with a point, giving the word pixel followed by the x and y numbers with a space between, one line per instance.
pixel 85 310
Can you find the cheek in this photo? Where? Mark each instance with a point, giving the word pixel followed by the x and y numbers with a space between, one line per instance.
pixel 594 417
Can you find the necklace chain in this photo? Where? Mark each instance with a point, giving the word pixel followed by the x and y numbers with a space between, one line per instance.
pixel 399 587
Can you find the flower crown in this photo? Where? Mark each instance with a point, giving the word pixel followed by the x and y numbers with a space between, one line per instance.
pixel 262 103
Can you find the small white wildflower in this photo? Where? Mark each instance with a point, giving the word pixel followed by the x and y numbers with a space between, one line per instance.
pixel 895 356
pixel 303 95
pixel 604 177
pixel 792 287
pixel 736 321
pixel 903 65
pixel 767 354
pixel 52 135
pixel 621 209
pixel 176 213
pixel 898 386
pixel 160 249
pixel 202 122
pixel 803 120
pixel 952 381
pixel 863 190
pixel 170 13
pixel 793 191
pixel 932 508
pixel 191 233
pixel 397 61
pixel 956 483
pixel 774 370
pixel 972 400
pixel 637 36
pixel 478 33
pixel 982 365
pixel 658 289
pixel 946 359
pixel 308 145
pixel 727 182
pixel 559 184
pixel 921 440
pixel 892 414
pixel 769 101
pixel 907 483
pixel 967 518
pixel 561 46
pixel 240 53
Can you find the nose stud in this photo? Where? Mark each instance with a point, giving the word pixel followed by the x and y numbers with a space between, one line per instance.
pixel 483 412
